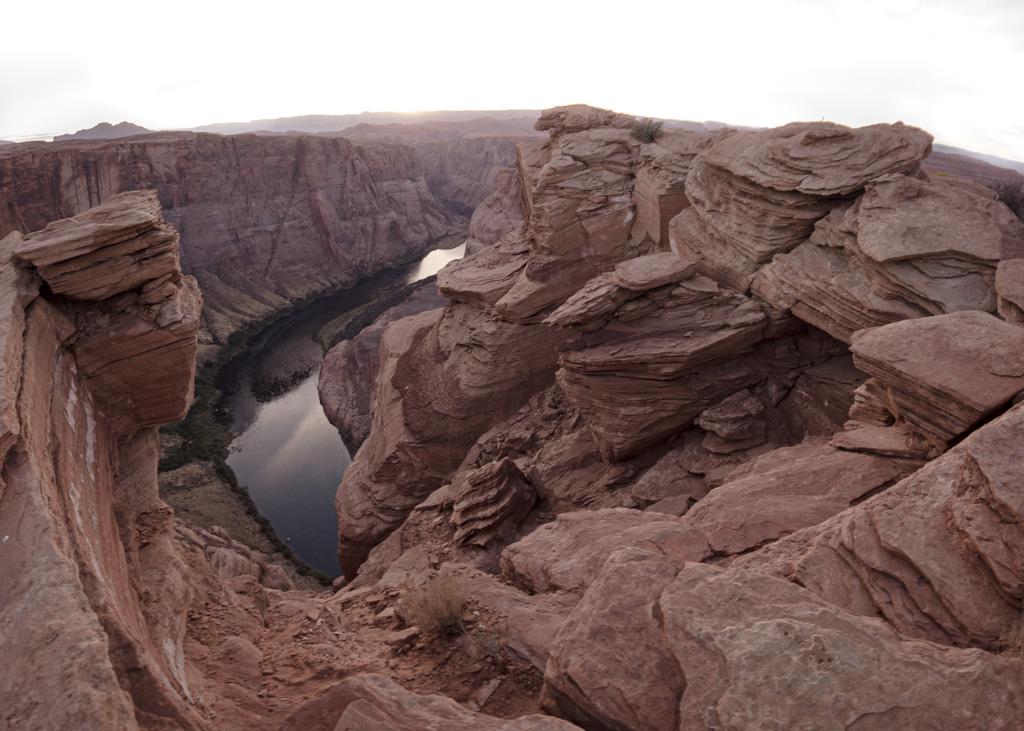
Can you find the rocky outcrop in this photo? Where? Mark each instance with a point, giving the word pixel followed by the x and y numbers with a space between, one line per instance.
pixel 703 294
pixel 696 647
pixel 934 555
pixel 263 220
pixel 350 367
pixel 758 194
pixel 94 594
pixel 481 370
pixel 906 248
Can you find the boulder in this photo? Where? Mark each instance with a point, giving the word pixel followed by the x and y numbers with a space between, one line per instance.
pixel 980 370
pixel 698 647
pixel 489 498
pixel 369 701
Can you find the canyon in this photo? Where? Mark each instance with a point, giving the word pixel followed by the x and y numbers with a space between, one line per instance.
pixel 265 221
pixel 719 430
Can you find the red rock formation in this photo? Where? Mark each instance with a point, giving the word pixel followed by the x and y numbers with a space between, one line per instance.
pixel 835 569
pixel 263 220
pixel 85 537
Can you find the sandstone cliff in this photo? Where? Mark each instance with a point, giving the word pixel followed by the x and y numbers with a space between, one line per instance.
pixel 732 409
pixel 723 436
pixel 263 220
pixel 95 312
pixel 115 614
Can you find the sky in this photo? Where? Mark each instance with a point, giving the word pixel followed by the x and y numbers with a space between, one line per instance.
pixel 953 67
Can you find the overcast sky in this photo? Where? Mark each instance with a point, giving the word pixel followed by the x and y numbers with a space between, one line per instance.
pixel 953 67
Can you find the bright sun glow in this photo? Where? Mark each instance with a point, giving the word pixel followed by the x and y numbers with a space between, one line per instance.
pixel 949 66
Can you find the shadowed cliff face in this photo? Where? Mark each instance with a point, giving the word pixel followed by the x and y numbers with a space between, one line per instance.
pixel 263 220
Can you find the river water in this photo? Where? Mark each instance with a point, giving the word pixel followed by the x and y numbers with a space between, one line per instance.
pixel 284 449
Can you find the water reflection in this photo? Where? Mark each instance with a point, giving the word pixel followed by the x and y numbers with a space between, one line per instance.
pixel 285 451
pixel 434 261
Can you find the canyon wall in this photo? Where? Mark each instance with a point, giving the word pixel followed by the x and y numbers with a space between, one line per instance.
pixel 95 312
pixel 264 220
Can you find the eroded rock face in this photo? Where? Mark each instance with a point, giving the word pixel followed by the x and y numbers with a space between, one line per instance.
pixel 758 194
pixel 696 647
pixel 350 368
pixel 263 219
pixel 84 533
pixel 373 701
pixel 481 371
pixel 498 214
pixel 906 248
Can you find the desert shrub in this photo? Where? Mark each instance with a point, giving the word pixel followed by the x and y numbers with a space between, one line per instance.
pixel 438 608
pixel 1012 639
pixel 647 130
pixel 1012 195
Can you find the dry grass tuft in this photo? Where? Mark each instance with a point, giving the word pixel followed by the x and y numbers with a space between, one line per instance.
pixel 647 130
pixel 1012 639
pixel 438 608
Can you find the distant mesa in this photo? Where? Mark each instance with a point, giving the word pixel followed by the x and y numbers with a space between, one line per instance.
pixel 105 131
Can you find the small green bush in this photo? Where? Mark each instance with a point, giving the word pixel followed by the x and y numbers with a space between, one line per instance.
pixel 647 130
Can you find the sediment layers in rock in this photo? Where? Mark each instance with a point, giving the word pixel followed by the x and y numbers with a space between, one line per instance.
pixel 981 369
pixel 905 248
pixel 263 219
pixel 648 374
pixel 480 371
pixel 94 596
pixel 758 194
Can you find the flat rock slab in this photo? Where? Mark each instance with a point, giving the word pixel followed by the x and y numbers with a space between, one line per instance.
pixel 945 373
pixel 369 701
pixel 695 647
pixel 654 270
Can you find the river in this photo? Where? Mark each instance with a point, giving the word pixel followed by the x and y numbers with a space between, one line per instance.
pixel 284 449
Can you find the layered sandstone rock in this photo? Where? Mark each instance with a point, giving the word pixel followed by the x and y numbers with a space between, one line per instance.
pixel 480 371
pixel 905 248
pixel 981 369
pixel 935 555
pixel 488 499
pixel 696 647
pixel 583 211
pixel 86 540
pixel 758 194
